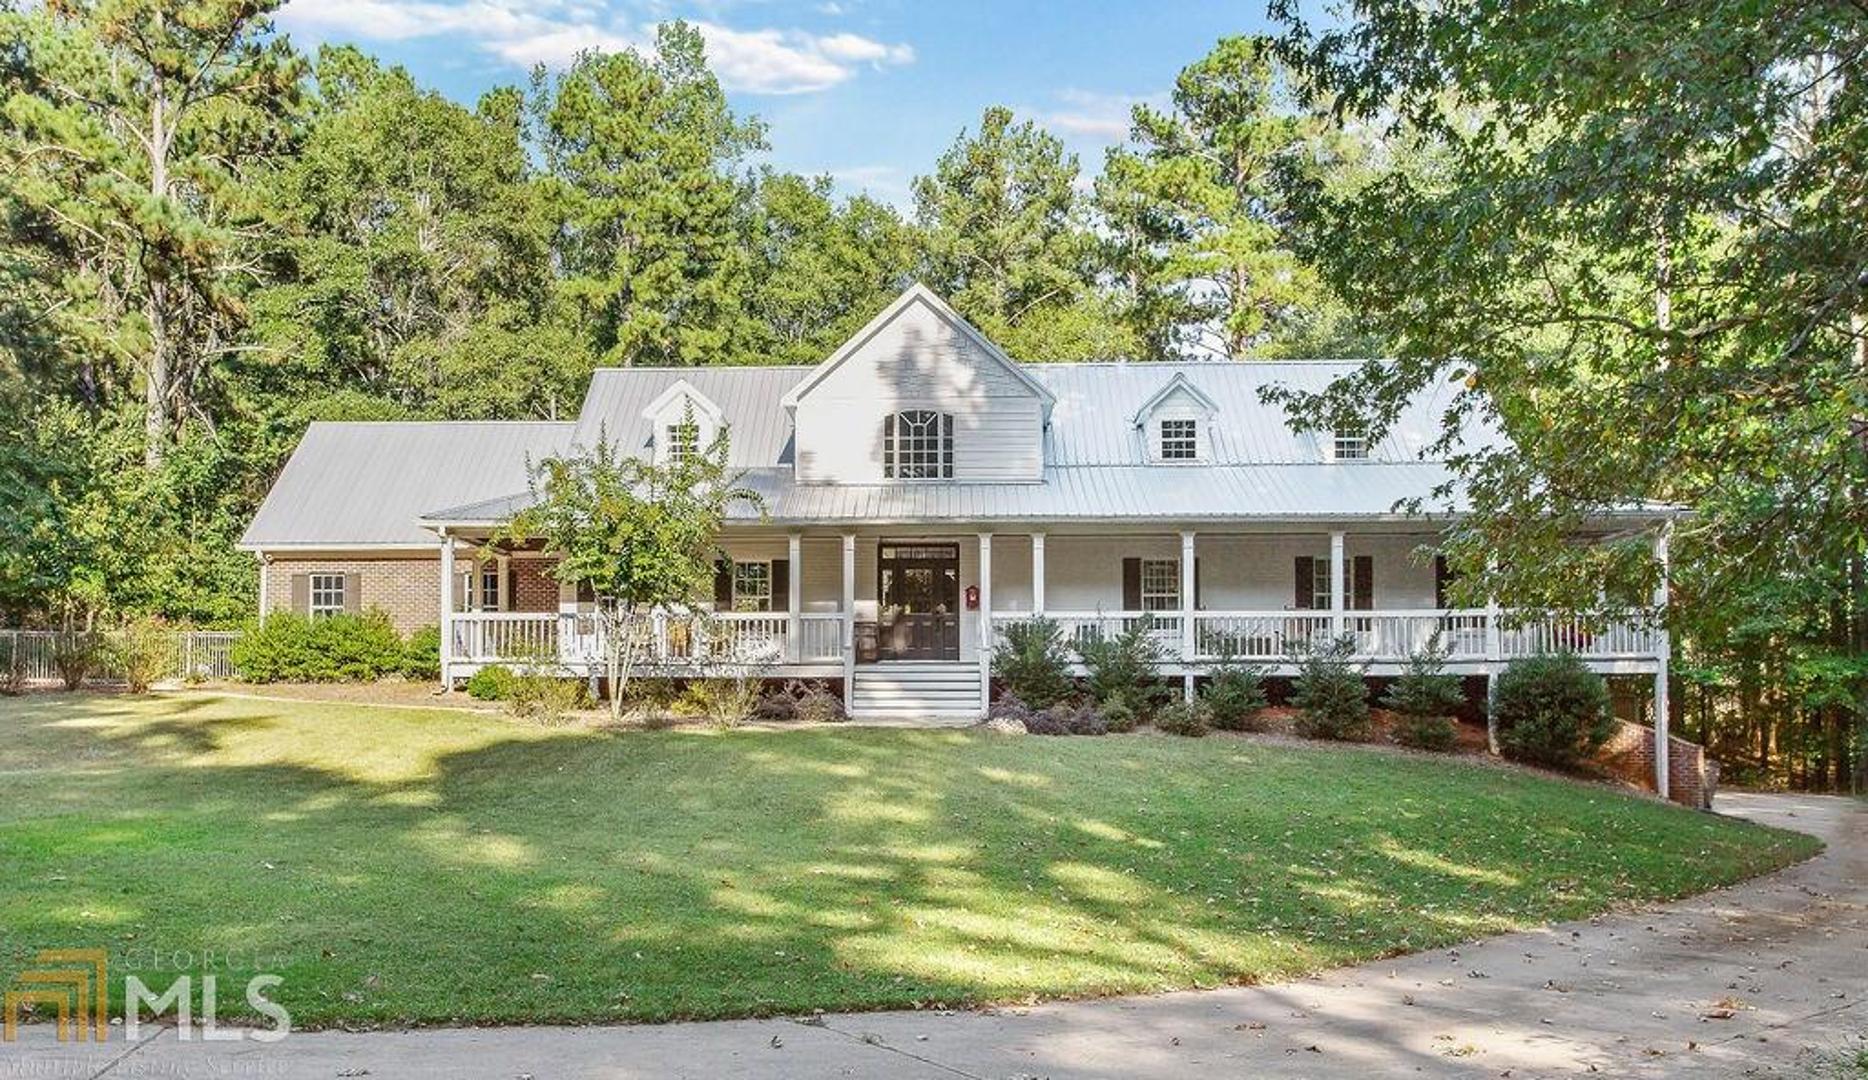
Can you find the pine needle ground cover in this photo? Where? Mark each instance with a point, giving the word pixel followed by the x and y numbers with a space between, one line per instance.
pixel 401 866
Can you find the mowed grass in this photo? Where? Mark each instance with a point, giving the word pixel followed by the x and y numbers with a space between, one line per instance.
pixel 416 866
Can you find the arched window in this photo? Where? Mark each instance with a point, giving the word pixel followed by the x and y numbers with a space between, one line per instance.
pixel 917 444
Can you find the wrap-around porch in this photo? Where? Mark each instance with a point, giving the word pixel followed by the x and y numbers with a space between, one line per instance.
pixel 805 603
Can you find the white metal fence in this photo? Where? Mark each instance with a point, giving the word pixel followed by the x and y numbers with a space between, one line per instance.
pixel 196 654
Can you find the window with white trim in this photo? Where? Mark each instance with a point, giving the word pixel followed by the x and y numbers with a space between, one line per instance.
pixel 489 587
pixel 1349 446
pixel 683 443
pixel 1160 584
pixel 1320 583
pixel 752 586
pixel 1180 440
pixel 327 595
pixel 917 444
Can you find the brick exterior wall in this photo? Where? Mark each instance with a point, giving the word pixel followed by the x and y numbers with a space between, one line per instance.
pixel 407 587
pixel 1692 776
pixel 531 589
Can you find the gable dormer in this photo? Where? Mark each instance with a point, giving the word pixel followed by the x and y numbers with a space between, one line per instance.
pixel 1176 423
pixel 682 420
pixel 918 395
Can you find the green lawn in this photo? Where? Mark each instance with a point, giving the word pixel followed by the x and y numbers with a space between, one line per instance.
pixel 399 865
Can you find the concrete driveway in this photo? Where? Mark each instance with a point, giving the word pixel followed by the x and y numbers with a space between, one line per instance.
pixel 1766 979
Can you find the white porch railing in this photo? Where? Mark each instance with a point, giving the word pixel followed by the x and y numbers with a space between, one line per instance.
pixel 820 637
pixel 1384 636
pixel 759 638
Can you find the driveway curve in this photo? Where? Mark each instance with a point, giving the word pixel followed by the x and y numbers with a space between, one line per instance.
pixel 1763 979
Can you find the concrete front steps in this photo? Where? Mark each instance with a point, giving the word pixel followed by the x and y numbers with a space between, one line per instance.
pixel 912 692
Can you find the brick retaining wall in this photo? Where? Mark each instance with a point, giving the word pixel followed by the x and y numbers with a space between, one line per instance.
pixel 1692 777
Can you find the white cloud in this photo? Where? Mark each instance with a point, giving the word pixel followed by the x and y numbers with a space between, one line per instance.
pixel 1093 116
pixel 553 32
pixel 889 183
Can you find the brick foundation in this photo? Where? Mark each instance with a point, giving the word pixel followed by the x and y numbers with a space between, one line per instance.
pixel 1692 776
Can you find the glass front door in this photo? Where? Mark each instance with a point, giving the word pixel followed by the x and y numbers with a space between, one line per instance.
pixel 918 586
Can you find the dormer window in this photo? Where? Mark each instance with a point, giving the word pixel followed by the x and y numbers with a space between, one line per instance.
pixel 1180 440
pixel 1349 446
pixel 917 444
pixel 683 444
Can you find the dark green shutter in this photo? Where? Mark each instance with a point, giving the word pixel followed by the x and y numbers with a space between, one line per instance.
pixel 722 585
pixel 1131 584
pixel 1306 583
pixel 1363 593
pixel 1196 585
pixel 888 446
pixel 781 585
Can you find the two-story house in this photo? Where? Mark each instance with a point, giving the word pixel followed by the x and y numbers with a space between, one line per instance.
pixel 922 491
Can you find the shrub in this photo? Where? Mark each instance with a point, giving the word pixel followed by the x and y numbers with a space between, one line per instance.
pixel 806 701
pixel 1234 696
pixel 421 655
pixel 75 653
pixel 491 683
pixel 143 652
pixel 337 648
pixel 1426 697
pixel 726 702
pixel 1122 668
pixel 1063 718
pixel 1189 718
pixel 1117 715
pixel 1551 710
pixel 818 703
pixel 542 695
pixel 1332 699
pixel 1033 663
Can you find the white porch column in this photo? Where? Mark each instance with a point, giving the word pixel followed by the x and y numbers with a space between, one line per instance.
pixel 1037 573
pixel 263 561
pixel 1186 597
pixel 1663 646
pixel 985 622
pixel 447 609
pixel 794 596
pixel 1494 633
pixel 849 620
pixel 1337 604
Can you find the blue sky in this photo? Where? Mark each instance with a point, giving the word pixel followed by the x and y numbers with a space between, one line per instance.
pixel 869 91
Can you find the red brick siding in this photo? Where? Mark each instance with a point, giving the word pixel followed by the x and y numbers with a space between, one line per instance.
pixel 532 589
pixel 1692 776
pixel 406 587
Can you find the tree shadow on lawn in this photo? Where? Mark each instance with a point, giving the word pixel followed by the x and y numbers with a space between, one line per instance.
pixel 526 876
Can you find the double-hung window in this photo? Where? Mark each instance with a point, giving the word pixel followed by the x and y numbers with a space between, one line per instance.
pixel 917 444
pixel 327 595
pixel 1180 440
pixel 1160 584
pixel 489 587
pixel 683 443
pixel 1350 446
pixel 752 586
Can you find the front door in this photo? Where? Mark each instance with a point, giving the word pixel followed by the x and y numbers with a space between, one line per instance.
pixel 918 586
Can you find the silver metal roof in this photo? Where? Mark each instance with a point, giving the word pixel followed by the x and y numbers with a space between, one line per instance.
pixel 1096 462
pixel 748 397
pixel 368 484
